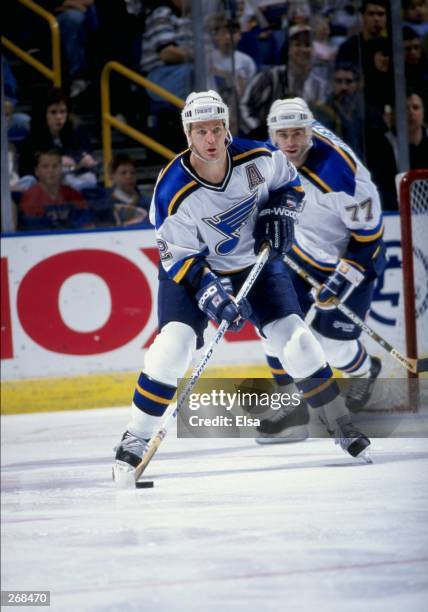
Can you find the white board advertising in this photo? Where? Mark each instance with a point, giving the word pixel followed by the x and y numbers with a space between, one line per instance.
pixel 85 302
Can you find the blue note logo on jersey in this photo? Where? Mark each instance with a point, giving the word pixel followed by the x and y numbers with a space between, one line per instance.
pixel 230 221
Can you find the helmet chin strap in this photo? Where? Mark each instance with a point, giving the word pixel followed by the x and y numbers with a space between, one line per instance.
pixel 202 159
pixel 306 149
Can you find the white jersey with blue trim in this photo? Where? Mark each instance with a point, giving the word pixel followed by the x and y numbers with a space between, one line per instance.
pixel 341 201
pixel 195 218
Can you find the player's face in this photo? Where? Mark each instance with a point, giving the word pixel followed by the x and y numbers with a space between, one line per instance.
pixel 49 170
pixel 293 142
pixel 208 139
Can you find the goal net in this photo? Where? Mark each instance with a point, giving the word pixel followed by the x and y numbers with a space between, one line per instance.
pixel 414 245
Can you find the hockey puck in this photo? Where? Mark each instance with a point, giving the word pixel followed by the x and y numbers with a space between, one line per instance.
pixel 145 484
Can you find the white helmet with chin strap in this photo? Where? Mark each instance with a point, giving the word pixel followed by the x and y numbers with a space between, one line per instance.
pixel 289 113
pixel 204 106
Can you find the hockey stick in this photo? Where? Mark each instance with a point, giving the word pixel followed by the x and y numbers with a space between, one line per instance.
pixel 413 365
pixel 157 438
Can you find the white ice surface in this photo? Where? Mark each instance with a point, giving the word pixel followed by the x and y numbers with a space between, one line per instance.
pixel 228 526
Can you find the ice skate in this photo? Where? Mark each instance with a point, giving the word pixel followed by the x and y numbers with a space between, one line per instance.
pixel 288 424
pixel 351 440
pixel 360 389
pixel 128 455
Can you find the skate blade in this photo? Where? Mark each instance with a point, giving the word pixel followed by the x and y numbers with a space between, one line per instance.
pixel 123 476
pixel 365 456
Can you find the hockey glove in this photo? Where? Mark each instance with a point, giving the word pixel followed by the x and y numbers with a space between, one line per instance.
pixel 215 299
pixel 275 223
pixel 339 285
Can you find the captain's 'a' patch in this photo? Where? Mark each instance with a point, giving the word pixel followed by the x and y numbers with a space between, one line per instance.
pixel 254 176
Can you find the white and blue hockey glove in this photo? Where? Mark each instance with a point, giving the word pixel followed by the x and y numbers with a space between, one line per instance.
pixel 339 285
pixel 215 299
pixel 275 223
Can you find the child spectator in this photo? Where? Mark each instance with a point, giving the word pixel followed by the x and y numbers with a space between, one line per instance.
pixel 128 205
pixel 49 204
pixel 52 127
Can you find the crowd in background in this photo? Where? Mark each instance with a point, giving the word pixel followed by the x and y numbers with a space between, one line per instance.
pixel 336 54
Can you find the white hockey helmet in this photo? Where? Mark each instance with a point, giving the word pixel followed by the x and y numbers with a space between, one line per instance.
pixel 204 106
pixel 288 113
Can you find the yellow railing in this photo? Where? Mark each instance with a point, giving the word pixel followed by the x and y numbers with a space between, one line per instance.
pixel 54 73
pixel 108 120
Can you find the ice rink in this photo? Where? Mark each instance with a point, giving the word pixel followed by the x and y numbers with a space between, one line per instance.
pixel 228 526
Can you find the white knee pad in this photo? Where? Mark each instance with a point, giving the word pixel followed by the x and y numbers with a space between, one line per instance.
pixel 295 346
pixel 338 352
pixel 170 354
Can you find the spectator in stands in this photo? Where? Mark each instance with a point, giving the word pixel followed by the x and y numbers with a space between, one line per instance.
pixel 379 76
pixel 354 50
pixel 343 111
pixel 263 31
pixel 344 21
pixel 77 21
pixel 418 132
pixel 324 51
pixel 382 148
pixel 127 205
pixel 299 12
pixel 416 64
pixel 52 127
pixel 381 157
pixel 415 15
pixel 167 48
pixel 17 184
pixel 298 77
pixel 49 204
pixel 126 19
pixel 18 124
pixel 231 69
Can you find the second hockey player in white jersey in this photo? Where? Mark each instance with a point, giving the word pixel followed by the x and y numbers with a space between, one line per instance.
pixel 338 240
pixel 213 207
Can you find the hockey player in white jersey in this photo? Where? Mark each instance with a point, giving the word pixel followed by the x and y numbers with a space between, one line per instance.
pixel 213 207
pixel 338 240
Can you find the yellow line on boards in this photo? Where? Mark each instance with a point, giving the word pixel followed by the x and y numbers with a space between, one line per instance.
pixel 93 390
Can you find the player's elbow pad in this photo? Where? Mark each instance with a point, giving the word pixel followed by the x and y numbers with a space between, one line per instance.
pixel 371 256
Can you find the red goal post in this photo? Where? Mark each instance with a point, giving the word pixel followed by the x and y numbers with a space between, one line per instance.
pixel 414 245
